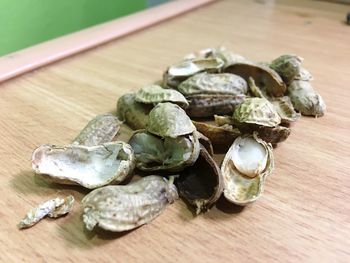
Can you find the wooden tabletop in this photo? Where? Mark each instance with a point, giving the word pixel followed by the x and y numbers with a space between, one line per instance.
pixel 304 214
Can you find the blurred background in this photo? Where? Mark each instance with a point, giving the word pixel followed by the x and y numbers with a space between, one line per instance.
pixel 24 23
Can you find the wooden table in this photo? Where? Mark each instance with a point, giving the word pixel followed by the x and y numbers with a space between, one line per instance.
pixel 304 214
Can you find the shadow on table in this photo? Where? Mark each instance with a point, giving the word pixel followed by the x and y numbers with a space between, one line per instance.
pixel 27 182
pixel 75 234
pixel 227 207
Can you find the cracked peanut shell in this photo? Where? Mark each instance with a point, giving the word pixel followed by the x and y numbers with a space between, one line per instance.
pixel 201 184
pixel 305 99
pixel 125 207
pixel 101 129
pixel 169 120
pixel 265 78
pixel 134 113
pixel 245 167
pixel 153 94
pixel 88 166
pixel 153 153
pixel 179 72
pixel 257 111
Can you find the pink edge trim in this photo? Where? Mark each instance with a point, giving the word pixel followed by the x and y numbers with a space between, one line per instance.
pixel 28 59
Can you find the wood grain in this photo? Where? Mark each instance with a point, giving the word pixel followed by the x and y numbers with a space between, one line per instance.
pixel 304 214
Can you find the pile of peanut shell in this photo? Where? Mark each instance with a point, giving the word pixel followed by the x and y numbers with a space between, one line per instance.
pixel 211 101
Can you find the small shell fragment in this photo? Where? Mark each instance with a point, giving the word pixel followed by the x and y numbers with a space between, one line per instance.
pixel 169 120
pixel 89 166
pixel 265 78
pixel 205 142
pixel 125 207
pixel 245 167
pixel 201 185
pixel 227 56
pixel 53 208
pixel 156 94
pixel 272 135
pixel 257 111
pixel 255 90
pixel 305 99
pixel 134 113
pixel 287 66
pixel 204 83
pixel 285 109
pixel 177 73
pixel 304 74
pixel 99 130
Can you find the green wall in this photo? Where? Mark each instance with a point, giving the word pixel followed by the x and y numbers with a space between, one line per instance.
pixel 27 22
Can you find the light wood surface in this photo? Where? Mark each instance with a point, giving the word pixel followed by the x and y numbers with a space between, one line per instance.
pixel 304 214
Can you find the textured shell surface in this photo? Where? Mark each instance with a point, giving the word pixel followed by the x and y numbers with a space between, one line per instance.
pixel 101 129
pixel 157 94
pixel 305 99
pixel 206 105
pixel 175 74
pixel 167 155
pixel 88 166
pixel 201 184
pixel 222 83
pixel 125 207
pixel 53 208
pixel 245 167
pixel 148 148
pixel 285 109
pixel 169 120
pixel 304 74
pixel 190 67
pixel 134 113
pixel 257 111
pixel 227 56
pixel 265 78
pixel 287 66
pixel 272 135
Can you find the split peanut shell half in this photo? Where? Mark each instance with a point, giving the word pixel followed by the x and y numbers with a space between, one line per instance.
pixel 205 83
pixel 88 166
pixel 265 78
pixel 120 208
pixel 257 111
pixel 201 184
pixel 164 154
pixel 177 73
pixel 245 167
pixel 305 99
pixel 169 120
pixel 153 94
pixel 134 113
pixel 101 129
pixel 287 66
